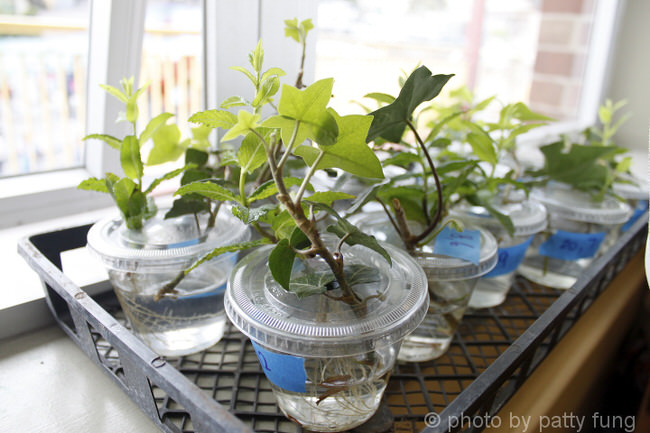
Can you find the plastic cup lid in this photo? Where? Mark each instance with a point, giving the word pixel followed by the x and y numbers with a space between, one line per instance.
pixel 563 201
pixel 436 266
pixel 446 268
pixel 318 325
pixel 162 240
pixel 528 216
pixel 636 189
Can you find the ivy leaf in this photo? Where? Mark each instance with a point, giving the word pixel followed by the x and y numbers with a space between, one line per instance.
pixel 390 121
pixel 207 189
pixel 115 143
pixel 361 274
pixel 297 32
pixel 215 119
pixel 287 125
pixel 281 263
pixel 311 283
pixel 350 152
pixel 352 235
pixel 246 122
pixel 241 246
pixel 130 159
pixel 307 105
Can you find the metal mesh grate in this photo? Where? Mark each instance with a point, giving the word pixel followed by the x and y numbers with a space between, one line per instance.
pixel 499 346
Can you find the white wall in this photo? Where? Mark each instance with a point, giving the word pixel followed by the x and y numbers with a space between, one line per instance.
pixel 630 79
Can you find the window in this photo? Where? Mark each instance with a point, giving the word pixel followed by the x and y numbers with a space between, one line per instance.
pixel 550 53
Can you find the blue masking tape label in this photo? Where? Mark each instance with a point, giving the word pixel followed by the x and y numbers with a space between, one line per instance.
pixel 639 210
pixel 571 246
pixel 509 258
pixel 284 371
pixel 464 245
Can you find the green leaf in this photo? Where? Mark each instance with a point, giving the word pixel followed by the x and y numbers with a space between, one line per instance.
pixel 306 105
pixel 483 147
pixel 153 126
pixel 268 88
pixel 350 153
pixel 167 146
pixel 115 92
pixel 233 101
pixel 299 239
pixel 130 159
pixel 246 122
pixel 132 109
pixel 390 121
pixel 352 235
pixel 108 139
pixel 361 274
pixel 311 283
pixel 402 159
pixel 241 246
pixel 282 224
pixel 93 184
pixel 256 57
pixel 523 113
pixel 271 72
pixel 245 72
pixel 269 188
pixel 207 189
pixel 250 215
pixel 286 126
pixel 251 154
pixel 215 119
pixel 327 197
pixel 381 97
pixel 196 157
pixel 170 175
pixel 185 206
pixel 281 263
pixel 122 191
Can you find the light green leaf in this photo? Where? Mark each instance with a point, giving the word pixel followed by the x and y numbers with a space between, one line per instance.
pixel 306 105
pixel 311 283
pixel 269 188
pixel 153 126
pixel 268 88
pixel 207 189
pixel 121 192
pixel 93 184
pixel 166 145
pixel 130 159
pixel 350 153
pixel 241 246
pixel 251 154
pixel 108 139
pixel 115 92
pixel 483 147
pixel 287 126
pixel 256 57
pixel 215 119
pixel 233 101
pixel 327 197
pixel 246 122
pixel 381 97
pixel 272 71
pixel 245 72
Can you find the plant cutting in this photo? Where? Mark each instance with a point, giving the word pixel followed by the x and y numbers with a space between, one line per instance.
pixel 416 207
pixel 494 144
pixel 145 250
pixel 576 186
pixel 325 306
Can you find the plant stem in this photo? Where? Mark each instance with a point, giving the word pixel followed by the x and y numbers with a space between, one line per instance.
pixel 308 177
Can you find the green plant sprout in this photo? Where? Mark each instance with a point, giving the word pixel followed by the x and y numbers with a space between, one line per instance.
pixel 129 193
pixel 303 127
pixel 592 165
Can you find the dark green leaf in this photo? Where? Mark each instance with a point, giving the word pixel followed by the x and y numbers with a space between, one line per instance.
pixel 327 197
pixel 207 189
pixel 281 263
pixel 185 206
pixel 390 121
pixel 197 157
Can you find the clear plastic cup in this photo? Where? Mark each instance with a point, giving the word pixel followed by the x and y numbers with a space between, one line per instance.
pixel 451 281
pixel 637 192
pixel 328 361
pixel 528 218
pixel 140 263
pixel 579 230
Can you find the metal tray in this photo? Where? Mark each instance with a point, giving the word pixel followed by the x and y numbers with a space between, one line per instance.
pixel 223 389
